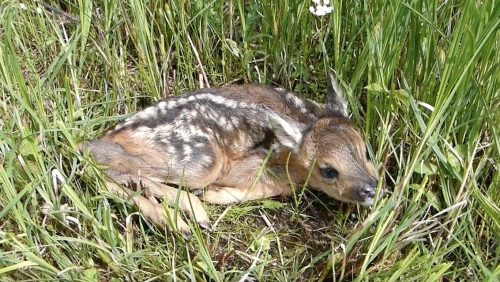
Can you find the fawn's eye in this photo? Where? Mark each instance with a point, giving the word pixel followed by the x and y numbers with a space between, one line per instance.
pixel 329 172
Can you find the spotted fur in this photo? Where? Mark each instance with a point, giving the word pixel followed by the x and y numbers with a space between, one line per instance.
pixel 219 139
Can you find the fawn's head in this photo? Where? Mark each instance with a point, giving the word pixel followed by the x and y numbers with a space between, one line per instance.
pixel 332 150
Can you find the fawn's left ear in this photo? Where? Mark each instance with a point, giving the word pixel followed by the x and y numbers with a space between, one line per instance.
pixel 335 101
pixel 288 132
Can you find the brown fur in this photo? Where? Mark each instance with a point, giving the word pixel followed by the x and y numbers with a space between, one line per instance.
pixel 219 140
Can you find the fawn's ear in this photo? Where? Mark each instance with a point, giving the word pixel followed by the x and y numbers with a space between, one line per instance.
pixel 288 132
pixel 335 101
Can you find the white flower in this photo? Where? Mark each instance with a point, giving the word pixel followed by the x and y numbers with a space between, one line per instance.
pixel 321 7
pixel 325 9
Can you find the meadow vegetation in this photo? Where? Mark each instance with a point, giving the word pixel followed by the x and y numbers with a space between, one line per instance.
pixel 422 79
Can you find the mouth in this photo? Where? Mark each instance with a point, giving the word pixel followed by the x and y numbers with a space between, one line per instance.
pixel 366 202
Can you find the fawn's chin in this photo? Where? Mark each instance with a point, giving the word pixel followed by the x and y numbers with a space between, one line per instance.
pixel 366 202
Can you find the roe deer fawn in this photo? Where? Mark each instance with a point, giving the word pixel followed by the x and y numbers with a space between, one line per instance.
pixel 236 143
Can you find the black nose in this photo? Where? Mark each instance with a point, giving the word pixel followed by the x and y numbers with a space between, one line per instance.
pixel 368 191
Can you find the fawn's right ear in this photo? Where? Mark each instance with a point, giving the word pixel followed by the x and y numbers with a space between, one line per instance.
pixel 288 132
pixel 335 101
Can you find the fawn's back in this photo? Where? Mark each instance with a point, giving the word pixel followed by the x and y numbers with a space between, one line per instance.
pixel 196 132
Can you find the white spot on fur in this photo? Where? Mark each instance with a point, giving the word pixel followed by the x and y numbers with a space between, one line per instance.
pixel 205 160
pixel 186 116
pixel 192 131
pixel 150 112
pixel 171 150
pixel 171 104
pixel 216 99
pixel 163 129
pixel 235 121
pixel 199 145
pixel 184 136
pixel 187 149
pixel 223 122
pixel 142 132
pixel 162 104
pixel 162 107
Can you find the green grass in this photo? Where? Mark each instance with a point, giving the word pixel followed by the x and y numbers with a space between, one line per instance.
pixel 422 78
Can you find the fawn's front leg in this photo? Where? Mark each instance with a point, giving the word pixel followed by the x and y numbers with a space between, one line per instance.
pixel 247 180
pixel 224 195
